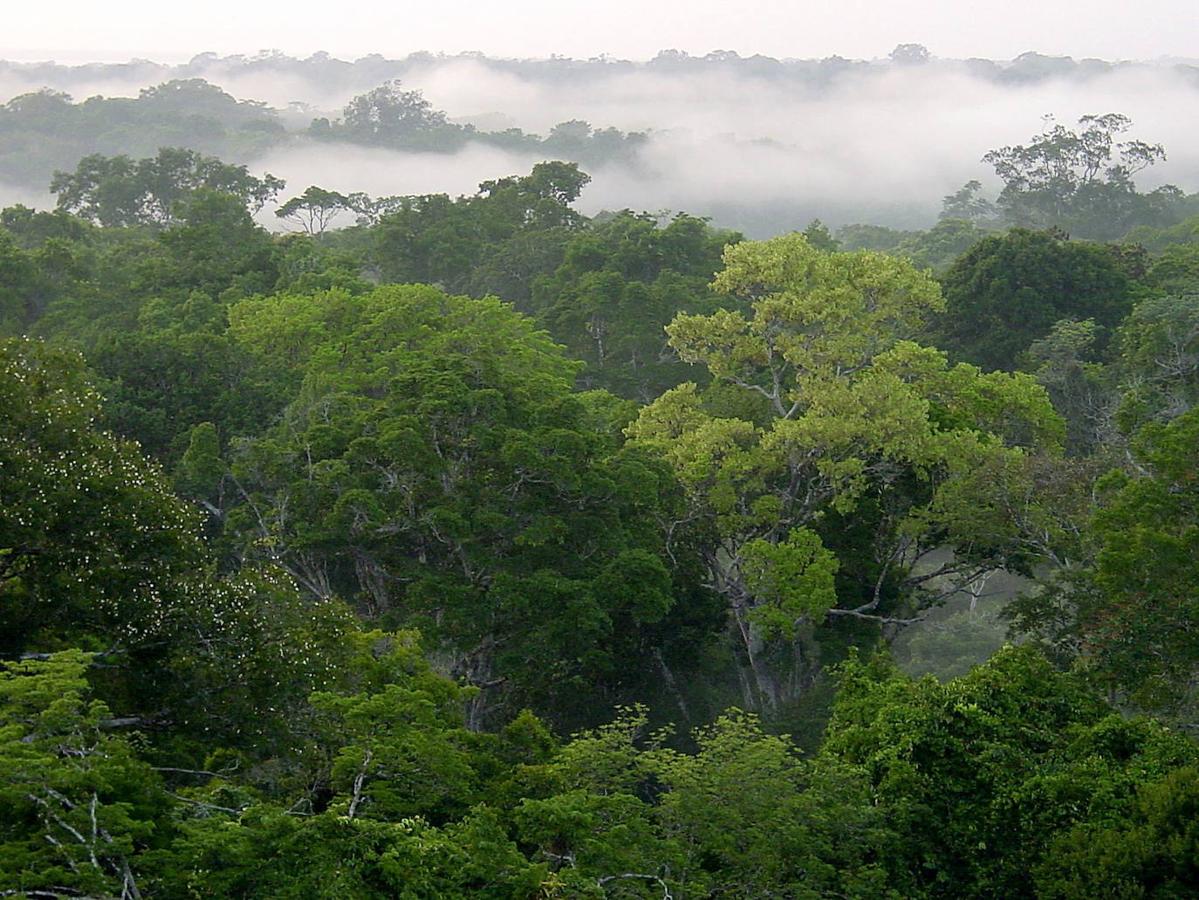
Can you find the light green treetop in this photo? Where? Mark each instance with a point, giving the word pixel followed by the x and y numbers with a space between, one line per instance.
pixel 842 415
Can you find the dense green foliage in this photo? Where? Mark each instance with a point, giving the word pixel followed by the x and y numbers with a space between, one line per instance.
pixel 1014 780
pixel 92 536
pixel 1008 290
pixel 620 283
pixel 436 468
pixel 378 562
pixel 497 241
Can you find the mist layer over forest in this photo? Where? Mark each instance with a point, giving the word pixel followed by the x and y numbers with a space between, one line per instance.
pixel 757 144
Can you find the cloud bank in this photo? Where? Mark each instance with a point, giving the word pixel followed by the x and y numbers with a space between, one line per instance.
pixel 762 152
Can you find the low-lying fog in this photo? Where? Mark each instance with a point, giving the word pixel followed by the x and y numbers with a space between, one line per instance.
pixel 880 143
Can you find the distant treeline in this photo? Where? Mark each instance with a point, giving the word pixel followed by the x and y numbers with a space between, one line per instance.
pixel 363 73
pixel 46 131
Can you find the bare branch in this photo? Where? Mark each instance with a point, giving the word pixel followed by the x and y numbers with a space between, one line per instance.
pixel 359 780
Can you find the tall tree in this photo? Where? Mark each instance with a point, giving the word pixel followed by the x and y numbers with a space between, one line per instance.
pixel 92 541
pixel 391 116
pixel 619 285
pixel 1129 610
pixel 497 241
pixel 1008 290
pixel 315 209
pixel 119 191
pixel 839 417
pixel 435 466
pixel 1082 180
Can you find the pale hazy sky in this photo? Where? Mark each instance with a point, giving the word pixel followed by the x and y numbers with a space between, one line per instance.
pixel 77 30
